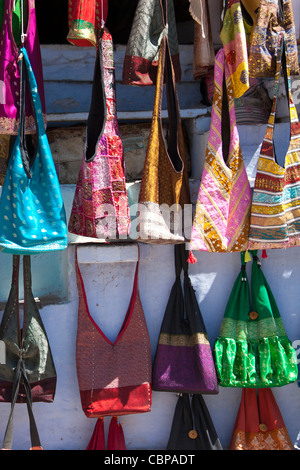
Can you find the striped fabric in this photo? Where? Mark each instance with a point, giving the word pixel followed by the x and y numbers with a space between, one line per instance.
pixel 222 215
pixel 275 211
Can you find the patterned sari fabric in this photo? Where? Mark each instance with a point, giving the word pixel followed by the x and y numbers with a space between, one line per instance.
pixel 275 211
pixel 100 206
pixel 222 216
pixel 259 424
pixel 274 17
pixel 234 40
pixel 142 52
pixel 252 349
pixel 86 18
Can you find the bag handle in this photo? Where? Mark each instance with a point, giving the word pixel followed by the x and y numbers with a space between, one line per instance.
pixel 166 74
pixel 223 92
pixel 20 373
pixel 28 152
pixel 97 113
pixel 282 66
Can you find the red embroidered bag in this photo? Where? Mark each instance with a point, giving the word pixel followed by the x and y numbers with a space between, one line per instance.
pixel 114 377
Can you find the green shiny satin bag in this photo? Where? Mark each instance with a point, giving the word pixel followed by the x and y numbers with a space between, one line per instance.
pixel 252 349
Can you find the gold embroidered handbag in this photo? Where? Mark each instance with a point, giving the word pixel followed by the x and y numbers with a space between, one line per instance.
pixel 164 193
pixel 274 17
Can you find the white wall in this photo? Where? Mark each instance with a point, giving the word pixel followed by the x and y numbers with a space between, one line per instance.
pixel 63 425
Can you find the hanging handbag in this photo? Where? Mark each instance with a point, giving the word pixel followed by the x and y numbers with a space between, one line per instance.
pixel 252 349
pixel 100 206
pixel 28 373
pixel 222 215
pixel 274 17
pixel 147 31
pixel 164 200
pixel 114 377
pixel 183 360
pixel 234 43
pixel 192 427
pixel 32 214
pixel 259 424
pixel 275 221
pixel 85 19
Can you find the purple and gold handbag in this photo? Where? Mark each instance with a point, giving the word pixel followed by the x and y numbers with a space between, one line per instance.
pixel 183 362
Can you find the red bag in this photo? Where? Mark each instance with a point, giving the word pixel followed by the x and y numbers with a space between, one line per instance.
pixel 259 424
pixel 114 378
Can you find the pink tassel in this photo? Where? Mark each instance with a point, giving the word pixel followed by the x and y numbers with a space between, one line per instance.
pixel 191 259
pixel 264 254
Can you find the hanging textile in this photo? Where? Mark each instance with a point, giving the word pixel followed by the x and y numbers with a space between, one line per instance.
pixel 222 214
pixel 115 438
pixel 164 190
pixel 275 221
pixel 234 40
pixel 100 206
pixel 28 373
pixel 183 340
pixel 274 17
pixel 192 427
pixel 252 349
pixel 203 50
pixel 97 441
pixel 144 43
pixel 86 19
pixel 114 378
pixel 259 424
pixel 10 72
pixel 32 214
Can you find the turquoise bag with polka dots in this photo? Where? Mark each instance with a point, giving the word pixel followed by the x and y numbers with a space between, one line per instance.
pixel 32 213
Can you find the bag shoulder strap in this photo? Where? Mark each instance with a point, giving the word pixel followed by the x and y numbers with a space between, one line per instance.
pixel 282 68
pixel 97 112
pixel 20 374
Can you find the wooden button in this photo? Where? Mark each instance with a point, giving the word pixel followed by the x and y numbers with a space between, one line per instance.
pixel 253 315
pixel 193 434
pixel 263 427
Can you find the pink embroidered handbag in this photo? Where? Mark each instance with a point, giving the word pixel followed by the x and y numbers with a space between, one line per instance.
pixel 221 221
